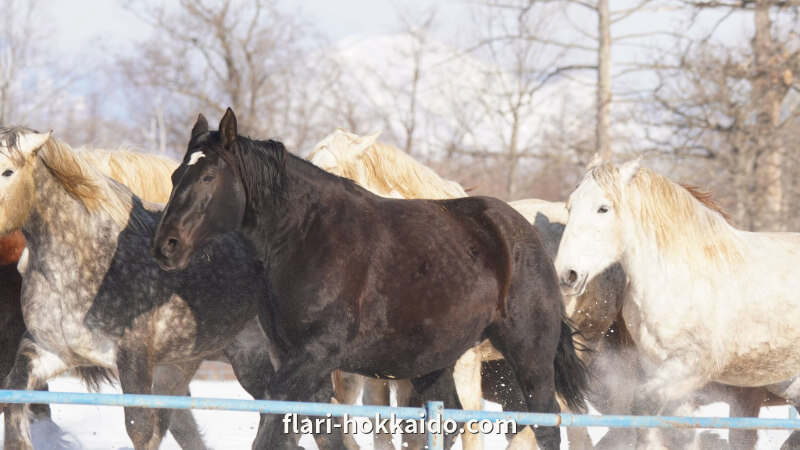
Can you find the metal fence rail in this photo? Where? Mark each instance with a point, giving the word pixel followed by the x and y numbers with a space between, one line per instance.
pixel 433 411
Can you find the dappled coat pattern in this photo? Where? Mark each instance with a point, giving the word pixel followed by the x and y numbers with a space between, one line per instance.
pixel 93 296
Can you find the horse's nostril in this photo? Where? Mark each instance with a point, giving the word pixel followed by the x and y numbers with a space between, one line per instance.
pixel 572 277
pixel 170 247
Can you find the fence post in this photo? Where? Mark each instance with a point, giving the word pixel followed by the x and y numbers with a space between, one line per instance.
pixel 433 414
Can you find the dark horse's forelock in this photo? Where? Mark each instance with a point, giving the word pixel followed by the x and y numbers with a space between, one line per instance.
pixel 261 165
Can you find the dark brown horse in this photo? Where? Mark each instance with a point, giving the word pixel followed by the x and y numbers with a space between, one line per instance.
pixel 342 265
pixel 11 324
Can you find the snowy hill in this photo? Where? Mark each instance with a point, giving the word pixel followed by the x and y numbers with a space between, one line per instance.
pixel 459 98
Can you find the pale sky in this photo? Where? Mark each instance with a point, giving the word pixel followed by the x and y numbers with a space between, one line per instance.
pixel 82 21
pixel 95 30
pixel 107 24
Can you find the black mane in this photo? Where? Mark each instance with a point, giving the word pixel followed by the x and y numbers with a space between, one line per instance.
pixel 261 165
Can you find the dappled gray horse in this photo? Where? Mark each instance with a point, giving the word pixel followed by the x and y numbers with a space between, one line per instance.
pixel 94 299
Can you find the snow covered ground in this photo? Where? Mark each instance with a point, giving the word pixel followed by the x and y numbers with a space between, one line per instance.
pixel 102 427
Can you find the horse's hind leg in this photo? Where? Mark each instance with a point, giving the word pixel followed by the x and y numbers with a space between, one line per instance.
pixel 146 426
pixel 467 376
pixel 173 379
pixel 437 385
pixel 33 366
pixel 499 385
pixel 529 342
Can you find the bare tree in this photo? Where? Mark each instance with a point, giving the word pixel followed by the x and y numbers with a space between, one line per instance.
pixel 39 84
pixel 418 35
pixel 733 106
pixel 543 47
pixel 206 56
pixel 519 85
pixel 603 143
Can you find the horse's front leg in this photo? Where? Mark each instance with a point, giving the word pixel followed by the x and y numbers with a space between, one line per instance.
pixel 299 379
pixel 438 385
pixel 790 390
pixel 145 426
pixel 744 402
pixel 32 368
pixel 173 379
pixel 250 359
pixel 668 393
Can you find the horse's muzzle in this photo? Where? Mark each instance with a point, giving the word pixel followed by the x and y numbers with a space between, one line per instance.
pixel 573 283
pixel 170 253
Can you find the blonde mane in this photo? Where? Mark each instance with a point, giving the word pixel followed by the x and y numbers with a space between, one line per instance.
pixel 683 220
pixel 384 169
pixel 94 189
pixel 147 176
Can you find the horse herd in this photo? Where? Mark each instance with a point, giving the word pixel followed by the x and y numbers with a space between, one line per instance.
pixel 298 276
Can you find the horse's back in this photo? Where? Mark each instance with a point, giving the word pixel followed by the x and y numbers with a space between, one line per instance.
pixel 515 240
pixel 505 221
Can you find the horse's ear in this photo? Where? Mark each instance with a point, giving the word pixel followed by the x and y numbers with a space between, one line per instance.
pixel 227 128
pixel 371 138
pixel 596 161
pixel 628 170
pixel 365 142
pixel 200 127
pixel 29 143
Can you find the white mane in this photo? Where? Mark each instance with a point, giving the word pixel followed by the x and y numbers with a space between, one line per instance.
pixel 682 225
pixel 381 168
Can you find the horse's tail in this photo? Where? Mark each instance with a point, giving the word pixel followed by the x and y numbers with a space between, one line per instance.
pixel 92 376
pixel 572 376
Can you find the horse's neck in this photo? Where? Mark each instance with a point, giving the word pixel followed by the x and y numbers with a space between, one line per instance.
pixel 61 231
pixel 310 194
pixel 655 274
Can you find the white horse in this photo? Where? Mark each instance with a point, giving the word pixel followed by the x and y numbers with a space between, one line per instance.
pixel 707 302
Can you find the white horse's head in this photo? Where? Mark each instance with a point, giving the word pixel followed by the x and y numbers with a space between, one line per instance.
pixel 17 147
pixel 594 236
pixel 340 150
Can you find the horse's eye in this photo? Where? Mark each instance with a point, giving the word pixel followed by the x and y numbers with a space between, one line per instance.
pixel 208 178
pixel 8 173
pixel 602 210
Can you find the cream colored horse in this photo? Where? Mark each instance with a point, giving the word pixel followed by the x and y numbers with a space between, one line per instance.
pixel 387 171
pixel 147 175
pixel 707 302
